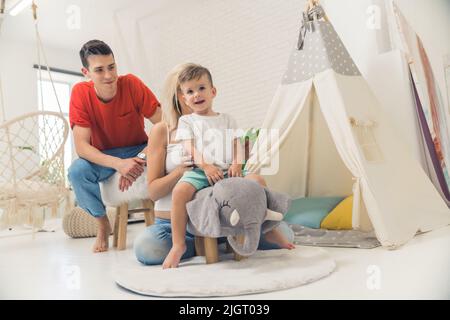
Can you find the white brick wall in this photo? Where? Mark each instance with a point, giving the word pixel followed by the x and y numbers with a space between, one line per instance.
pixel 245 44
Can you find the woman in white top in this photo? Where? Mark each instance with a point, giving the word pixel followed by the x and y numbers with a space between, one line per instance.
pixel 166 164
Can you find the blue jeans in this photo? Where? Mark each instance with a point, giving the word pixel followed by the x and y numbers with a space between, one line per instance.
pixel 84 176
pixel 154 243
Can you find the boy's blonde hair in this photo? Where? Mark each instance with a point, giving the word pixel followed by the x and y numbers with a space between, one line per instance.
pixel 194 71
pixel 171 108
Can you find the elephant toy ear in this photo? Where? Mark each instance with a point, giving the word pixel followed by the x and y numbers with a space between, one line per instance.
pixel 278 202
pixel 203 214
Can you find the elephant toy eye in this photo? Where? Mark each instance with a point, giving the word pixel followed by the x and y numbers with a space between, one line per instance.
pixel 224 204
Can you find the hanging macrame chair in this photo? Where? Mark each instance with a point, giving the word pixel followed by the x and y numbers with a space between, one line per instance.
pixel 32 175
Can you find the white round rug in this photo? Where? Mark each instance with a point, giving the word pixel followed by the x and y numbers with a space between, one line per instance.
pixel 265 271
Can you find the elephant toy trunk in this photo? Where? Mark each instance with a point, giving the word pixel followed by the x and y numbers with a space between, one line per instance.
pixel 251 241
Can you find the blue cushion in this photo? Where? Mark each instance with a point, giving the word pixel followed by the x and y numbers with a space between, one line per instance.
pixel 310 212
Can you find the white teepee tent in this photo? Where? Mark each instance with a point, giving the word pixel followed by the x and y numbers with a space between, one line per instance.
pixel 326 135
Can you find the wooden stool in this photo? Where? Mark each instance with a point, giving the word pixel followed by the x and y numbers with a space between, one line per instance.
pixel 113 197
pixel 205 246
pixel 121 222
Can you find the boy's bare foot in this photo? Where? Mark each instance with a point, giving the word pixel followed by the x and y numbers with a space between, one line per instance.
pixel 275 236
pixel 104 230
pixel 173 258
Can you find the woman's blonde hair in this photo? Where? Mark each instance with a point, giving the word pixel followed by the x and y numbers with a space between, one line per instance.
pixel 171 108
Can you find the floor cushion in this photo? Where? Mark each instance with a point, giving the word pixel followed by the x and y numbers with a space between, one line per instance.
pixel 340 218
pixel 310 212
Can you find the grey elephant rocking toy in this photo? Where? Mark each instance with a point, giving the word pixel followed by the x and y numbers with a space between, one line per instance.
pixel 238 209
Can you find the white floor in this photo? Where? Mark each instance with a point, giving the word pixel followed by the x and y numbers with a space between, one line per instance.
pixel 54 266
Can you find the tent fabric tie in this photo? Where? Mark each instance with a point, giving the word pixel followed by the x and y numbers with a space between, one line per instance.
pixel 308 17
pixel 356 212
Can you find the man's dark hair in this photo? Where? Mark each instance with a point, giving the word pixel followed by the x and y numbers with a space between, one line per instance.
pixel 93 48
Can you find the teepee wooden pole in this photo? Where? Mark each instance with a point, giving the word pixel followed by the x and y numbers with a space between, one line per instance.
pixel 2 102
pixel 34 8
pixel 310 104
pixel 310 4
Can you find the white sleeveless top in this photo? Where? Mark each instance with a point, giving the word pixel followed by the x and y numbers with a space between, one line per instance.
pixel 174 154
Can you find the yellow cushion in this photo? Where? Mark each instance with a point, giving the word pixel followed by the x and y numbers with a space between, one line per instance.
pixel 340 218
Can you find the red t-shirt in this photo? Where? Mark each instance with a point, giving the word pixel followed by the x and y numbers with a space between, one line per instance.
pixel 118 123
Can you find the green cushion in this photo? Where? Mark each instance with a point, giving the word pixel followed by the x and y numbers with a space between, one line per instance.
pixel 310 212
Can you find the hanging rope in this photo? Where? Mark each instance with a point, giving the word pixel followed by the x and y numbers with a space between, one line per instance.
pixel 40 48
pixel 2 12
pixel 8 141
pixel 1 101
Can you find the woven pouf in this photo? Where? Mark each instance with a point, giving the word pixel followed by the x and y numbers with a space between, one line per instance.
pixel 80 224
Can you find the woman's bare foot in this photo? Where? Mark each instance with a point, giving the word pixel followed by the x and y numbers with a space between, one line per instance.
pixel 173 258
pixel 104 230
pixel 275 236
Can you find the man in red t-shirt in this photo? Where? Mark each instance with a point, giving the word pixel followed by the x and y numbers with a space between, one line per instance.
pixel 107 118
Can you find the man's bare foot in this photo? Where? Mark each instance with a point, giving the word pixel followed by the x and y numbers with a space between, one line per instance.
pixel 275 236
pixel 173 258
pixel 104 230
